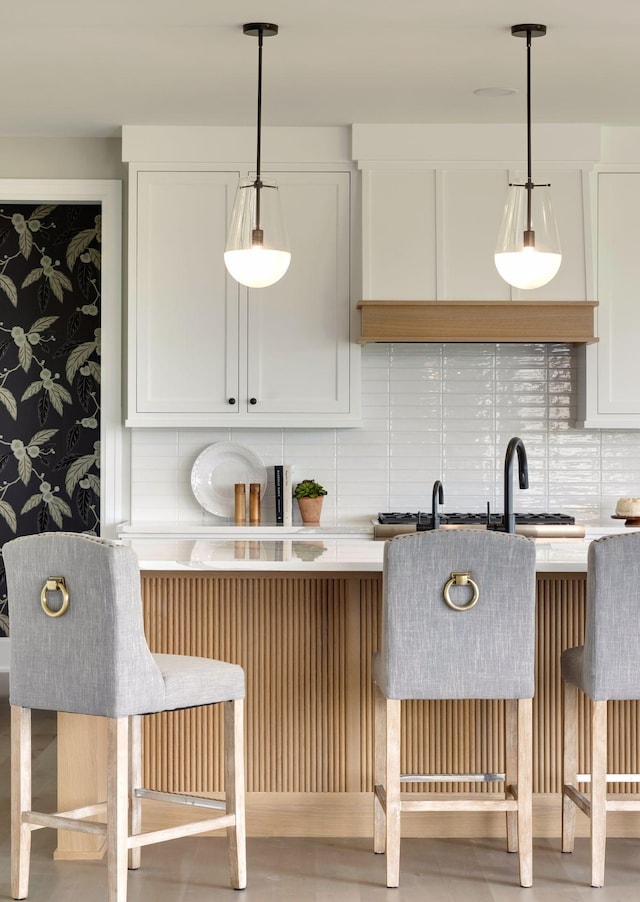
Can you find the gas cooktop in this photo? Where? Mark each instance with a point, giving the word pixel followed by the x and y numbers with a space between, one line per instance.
pixel 422 520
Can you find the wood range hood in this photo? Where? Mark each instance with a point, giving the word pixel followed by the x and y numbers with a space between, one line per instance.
pixel 567 322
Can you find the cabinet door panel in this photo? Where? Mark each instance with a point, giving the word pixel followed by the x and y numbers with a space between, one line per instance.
pixel 472 204
pixel 399 235
pixel 298 329
pixel 619 311
pixel 186 313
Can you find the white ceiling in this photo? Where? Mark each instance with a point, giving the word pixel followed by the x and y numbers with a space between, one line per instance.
pixel 79 67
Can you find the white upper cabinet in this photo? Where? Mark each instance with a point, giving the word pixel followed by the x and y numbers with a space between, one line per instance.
pixel 611 398
pixel 430 234
pixel 205 351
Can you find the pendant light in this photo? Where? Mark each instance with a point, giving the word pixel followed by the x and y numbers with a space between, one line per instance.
pixel 257 251
pixel 528 252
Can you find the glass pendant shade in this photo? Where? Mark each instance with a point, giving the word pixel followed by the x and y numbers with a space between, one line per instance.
pixel 257 257
pixel 528 258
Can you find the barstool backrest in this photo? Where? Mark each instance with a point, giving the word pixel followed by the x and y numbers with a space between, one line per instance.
pixel 611 663
pixel 93 659
pixel 432 651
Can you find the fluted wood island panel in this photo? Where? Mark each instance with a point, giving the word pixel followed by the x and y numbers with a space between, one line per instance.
pixel 305 641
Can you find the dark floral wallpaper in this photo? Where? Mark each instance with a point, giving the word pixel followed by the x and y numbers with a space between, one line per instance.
pixel 49 372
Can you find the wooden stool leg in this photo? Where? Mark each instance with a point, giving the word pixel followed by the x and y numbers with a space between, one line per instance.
pixel 117 808
pixel 135 782
pixel 511 766
pixel 234 790
pixel 598 790
pixel 525 790
pixel 20 800
pixel 569 763
pixel 392 787
pixel 379 768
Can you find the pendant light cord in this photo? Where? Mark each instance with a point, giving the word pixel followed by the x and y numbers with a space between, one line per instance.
pixel 258 182
pixel 529 236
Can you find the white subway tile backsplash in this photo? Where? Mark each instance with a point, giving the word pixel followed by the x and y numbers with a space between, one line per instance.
pixel 430 411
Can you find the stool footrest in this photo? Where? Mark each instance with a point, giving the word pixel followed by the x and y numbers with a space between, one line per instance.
pixel 155 836
pixel 452 778
pixel 38 819
pixel 447 804
pixel 180 799
pixel 613 803
pixel 611 778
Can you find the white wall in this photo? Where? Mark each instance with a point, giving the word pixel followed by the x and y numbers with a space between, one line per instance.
pixel 57 158
pixel 429 411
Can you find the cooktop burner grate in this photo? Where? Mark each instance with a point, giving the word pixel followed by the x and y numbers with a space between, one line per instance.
pixel 495 521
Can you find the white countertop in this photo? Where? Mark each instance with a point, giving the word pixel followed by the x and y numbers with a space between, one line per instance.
pixel 227 529
pixel 311 555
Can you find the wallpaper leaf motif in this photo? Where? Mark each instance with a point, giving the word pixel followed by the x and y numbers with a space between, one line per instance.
pixel 9 402
pixel 50 305
pixel 9 288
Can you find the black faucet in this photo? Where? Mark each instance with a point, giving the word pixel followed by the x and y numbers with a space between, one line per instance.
pixel 515 445
pixel 437 494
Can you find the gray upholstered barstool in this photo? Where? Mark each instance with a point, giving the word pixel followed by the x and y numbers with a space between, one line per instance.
pixel 604 668
pixel 458 622
pixel 77 645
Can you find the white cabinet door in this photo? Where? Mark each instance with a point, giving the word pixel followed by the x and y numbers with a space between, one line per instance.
pixel 183 315
pixel 298 329
pixel 612 395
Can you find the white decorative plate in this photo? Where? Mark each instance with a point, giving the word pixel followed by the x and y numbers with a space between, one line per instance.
pixel 216 471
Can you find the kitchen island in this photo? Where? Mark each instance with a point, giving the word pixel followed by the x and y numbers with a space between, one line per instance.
pixel 302 616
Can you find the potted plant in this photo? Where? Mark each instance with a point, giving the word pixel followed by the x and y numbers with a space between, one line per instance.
pixel 310 495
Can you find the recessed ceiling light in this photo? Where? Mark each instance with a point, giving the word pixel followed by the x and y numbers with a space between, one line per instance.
pixel 495 92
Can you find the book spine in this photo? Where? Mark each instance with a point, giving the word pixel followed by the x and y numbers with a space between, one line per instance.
pixel 287 496
pixel 277 477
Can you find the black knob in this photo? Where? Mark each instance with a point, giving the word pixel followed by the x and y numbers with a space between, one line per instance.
pixel 253 400
pixel 232 400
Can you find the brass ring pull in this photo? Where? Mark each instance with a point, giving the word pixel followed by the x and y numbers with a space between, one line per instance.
pixel 54 584
pixel 461 579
